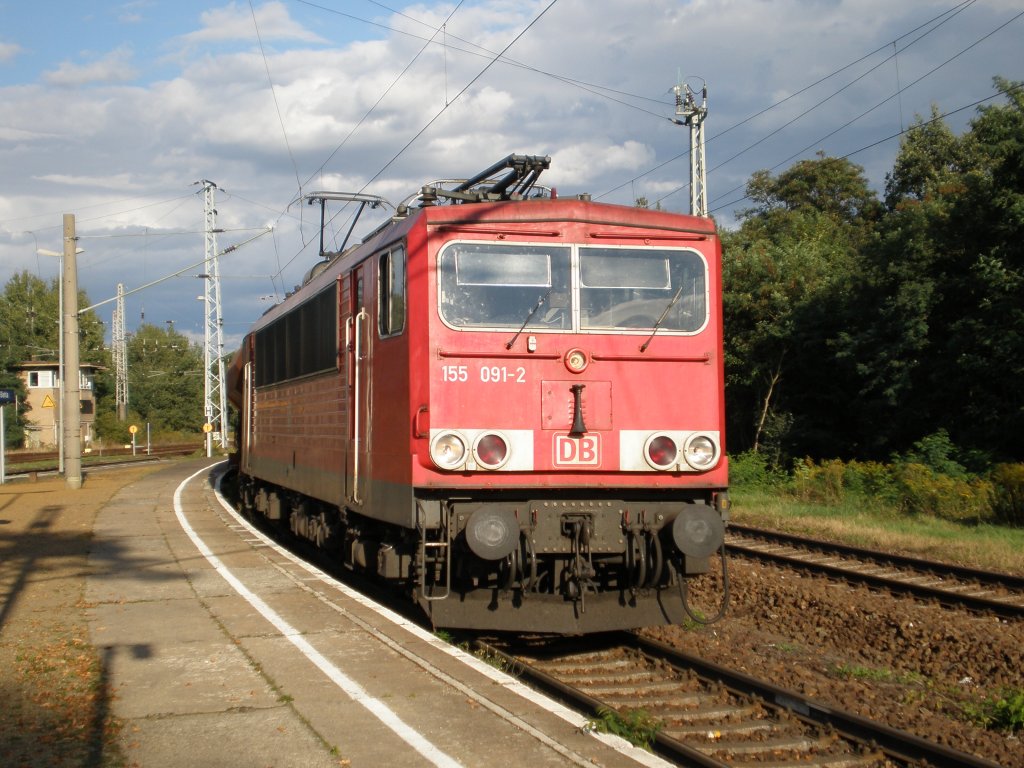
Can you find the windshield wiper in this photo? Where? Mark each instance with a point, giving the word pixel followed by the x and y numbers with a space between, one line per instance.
pixel 664 314
pixel 529 317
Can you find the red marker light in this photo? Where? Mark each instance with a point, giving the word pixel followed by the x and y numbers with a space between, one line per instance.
pixel 491 450
pixel 662 451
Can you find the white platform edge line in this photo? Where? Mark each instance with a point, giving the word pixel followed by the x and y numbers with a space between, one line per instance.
pixel 620 745
pixel 349 686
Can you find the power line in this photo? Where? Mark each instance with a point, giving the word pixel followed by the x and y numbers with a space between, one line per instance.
pixel 886 100
pixel 484 52
pixel 440 112
pixel 379 100
pixel 277 106
pixel 898 134
pixel 951 13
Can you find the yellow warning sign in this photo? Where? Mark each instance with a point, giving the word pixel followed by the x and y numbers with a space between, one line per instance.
pixel 48 402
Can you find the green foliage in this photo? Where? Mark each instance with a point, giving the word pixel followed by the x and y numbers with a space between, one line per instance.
pixel 832 481
pixel 752 470
pixel 822 482
pixel 165 381
pixel 636 726
pixel 923 491
pixel 1001 712
pixel 853 327
pixel 30 323
pixel 30 331
pixel 1008 493
pixel 14 418
pixel 905 486
pixel 936 452
pixel 794 254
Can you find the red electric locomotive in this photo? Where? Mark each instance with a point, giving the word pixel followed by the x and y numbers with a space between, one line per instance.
pixel 510 404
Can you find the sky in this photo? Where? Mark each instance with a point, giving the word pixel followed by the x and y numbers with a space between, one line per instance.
pixel 113 111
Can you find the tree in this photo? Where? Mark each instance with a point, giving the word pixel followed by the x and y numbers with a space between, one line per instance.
pixel 30 323
pixel 945 347
pixel 30 330
pixel 165 380
pixel 787 276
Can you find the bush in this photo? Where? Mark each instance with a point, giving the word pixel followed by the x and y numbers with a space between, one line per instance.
pixel 924 491
pixel 872 480
pixel 1008 493
pixel 936 452
pixel 832 481
pixel 822 482
pixel 753 470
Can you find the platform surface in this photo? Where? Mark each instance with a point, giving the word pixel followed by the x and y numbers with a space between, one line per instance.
pixel 223 650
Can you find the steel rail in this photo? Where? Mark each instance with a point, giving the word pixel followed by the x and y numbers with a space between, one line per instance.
pixel 898 744
pixel 664 746
pixel 1000 607
pixel 901 746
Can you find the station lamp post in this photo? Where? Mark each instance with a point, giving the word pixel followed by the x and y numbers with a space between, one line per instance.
pixel 69 443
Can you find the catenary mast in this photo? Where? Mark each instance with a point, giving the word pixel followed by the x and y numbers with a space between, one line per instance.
pixel 693 116
pixel 214 394
pixel 120 348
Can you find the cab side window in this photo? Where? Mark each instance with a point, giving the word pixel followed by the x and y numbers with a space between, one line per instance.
pixel 391 292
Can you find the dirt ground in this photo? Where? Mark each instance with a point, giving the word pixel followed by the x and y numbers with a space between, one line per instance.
pixel 55 708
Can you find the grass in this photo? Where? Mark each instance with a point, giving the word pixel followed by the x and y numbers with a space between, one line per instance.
pixel 1002 712
pixel 636 726
pixel 861 523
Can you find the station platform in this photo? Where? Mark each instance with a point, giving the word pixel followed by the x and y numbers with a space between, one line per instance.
pixel 221 649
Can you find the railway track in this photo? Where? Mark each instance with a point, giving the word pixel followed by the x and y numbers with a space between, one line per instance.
pixel 42 462
pixel 1000 594
pixel 710 715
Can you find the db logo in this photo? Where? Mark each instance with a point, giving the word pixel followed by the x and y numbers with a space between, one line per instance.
pixel 578 451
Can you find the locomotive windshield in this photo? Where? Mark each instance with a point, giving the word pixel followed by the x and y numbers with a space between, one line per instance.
pixel 631 288
pixel 484 285
pixel 564 288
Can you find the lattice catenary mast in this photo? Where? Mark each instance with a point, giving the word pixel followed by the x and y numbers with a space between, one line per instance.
pixel 119 342
pixel 693 116
pixel 214 394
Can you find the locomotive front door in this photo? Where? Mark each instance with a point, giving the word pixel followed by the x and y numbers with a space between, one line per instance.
pixel 358 339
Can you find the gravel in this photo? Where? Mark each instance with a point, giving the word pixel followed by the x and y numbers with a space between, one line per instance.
pixel 912 665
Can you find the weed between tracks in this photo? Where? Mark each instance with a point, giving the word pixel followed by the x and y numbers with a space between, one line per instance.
pixel 637 726
pixel 1002 712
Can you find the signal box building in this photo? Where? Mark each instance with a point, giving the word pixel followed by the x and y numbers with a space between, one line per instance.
pixel 42 383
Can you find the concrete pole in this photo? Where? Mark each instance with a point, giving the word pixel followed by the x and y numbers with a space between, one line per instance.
pixel 71 405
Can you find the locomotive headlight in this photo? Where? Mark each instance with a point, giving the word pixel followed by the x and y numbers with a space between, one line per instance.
pixel 661 451
pixel 701 452
pixel 448 450
pixel 490 450
pixel 576 360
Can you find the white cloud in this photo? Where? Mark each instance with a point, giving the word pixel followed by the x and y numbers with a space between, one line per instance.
pixel 121 182
pixel 581 164
pixel 8 51
pixel 235 22
pixel 114 67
